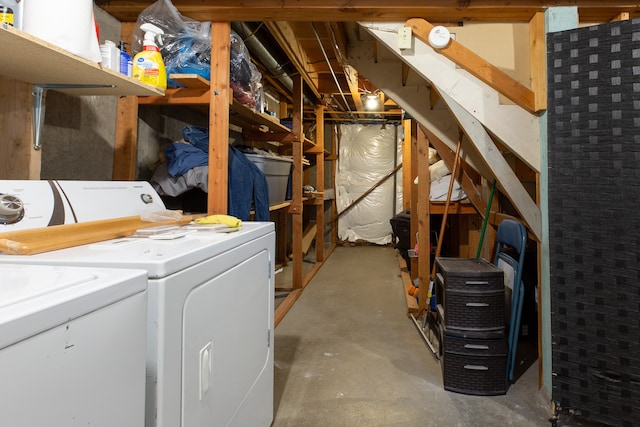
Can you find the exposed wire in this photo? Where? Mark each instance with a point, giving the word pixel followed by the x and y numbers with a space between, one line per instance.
pixel 335 78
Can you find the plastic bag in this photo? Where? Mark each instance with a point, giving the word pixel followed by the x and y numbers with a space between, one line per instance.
pixel 186 49
pixel 245 77
pixel 185 45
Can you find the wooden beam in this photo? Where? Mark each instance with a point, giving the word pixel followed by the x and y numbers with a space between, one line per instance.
pixel 18 159
pixel 624 16
pixel 538 61
pixel 286 38
pixel 505 176
pixel 351 75
pixel 296 188
pixel 308 236
pixel 423 214
pixel 320 164
pixel 477 66
pixel 219 118
pixel 282 308
pixel 407 170
pixel 414 195
pixel 405 73
pixel 370 10
pixel 126 139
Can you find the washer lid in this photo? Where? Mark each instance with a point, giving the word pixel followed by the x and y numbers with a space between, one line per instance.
pixel 34 298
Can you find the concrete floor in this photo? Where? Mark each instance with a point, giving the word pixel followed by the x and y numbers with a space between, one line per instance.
pixel 346 354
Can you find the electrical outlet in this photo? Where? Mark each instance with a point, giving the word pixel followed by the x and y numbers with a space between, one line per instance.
pixel 404 38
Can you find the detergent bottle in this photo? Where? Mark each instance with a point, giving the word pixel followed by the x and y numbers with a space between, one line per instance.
pixel 148 66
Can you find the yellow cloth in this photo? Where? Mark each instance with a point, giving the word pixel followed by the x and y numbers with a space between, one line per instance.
pixel 228 220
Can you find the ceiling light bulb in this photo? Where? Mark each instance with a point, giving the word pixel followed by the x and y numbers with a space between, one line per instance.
pixel 372 102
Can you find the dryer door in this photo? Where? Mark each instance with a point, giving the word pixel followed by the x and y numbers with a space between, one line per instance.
pixel 227 371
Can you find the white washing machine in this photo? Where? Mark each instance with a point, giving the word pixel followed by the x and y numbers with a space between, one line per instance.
pixel 210 299
pixel 72 346
pixel 210 319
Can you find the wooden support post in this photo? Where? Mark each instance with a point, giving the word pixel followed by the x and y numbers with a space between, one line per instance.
pixel 334 168
pixel 217 201
pixel 125 146
pixel 18 159
pixel 407 170
pixel 320 182
pixel 281 237
pixel 424 231
pixel 126 143
pixel 296 204
pixel 538 61
pixel 412 191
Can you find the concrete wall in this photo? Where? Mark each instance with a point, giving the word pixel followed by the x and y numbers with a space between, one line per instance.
pixel 79 132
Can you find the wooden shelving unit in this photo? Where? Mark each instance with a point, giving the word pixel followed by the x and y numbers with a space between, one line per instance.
pixel 29 67
pixel 215 96
pixel 31 60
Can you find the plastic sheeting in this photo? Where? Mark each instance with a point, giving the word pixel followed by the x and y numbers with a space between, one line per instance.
pixel 368 153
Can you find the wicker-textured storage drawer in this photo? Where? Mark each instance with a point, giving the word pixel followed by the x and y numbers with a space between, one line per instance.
pixel 475 347
pixel 477 375
pixel 470 275
pixel 475 312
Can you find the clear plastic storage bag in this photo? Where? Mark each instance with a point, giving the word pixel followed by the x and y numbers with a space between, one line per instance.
pixel 186 49
pixel 185 45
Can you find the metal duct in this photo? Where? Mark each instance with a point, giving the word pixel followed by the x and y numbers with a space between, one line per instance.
pixel 254 40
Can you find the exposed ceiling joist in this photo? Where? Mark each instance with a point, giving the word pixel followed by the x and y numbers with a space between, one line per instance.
pixel 440 11
pixel 287 40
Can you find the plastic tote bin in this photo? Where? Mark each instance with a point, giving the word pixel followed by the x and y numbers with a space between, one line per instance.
pixel 276 170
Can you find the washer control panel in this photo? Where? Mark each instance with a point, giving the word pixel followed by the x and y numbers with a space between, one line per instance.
pixel 11 209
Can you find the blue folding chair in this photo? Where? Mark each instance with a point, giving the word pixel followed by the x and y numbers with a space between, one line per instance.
pixel 512 234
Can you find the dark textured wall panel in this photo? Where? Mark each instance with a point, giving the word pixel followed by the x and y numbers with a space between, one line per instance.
pixel 594 219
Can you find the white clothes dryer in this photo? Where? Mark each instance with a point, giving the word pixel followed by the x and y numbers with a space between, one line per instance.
pixel 28 204
pixel 72 346
pixel 210 321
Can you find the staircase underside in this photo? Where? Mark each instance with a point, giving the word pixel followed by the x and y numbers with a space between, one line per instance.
pixel 446 99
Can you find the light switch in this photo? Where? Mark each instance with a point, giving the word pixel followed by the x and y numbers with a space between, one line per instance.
pixel 404 38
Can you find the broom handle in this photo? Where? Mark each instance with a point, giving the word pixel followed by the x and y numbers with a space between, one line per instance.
pixel 446 205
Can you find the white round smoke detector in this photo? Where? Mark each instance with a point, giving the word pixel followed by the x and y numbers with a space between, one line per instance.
pixel 439 37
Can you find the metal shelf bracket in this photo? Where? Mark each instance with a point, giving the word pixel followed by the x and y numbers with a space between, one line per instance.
pixel 39 94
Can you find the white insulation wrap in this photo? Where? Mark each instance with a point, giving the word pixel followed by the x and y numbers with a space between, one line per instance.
pixel 368 153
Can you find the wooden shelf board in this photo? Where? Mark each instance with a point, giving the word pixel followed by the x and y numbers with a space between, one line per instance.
pixel 32 60
pixel 191 80
pixel 412 303
pixel 280 206
pixel 458 208
pixel 242 112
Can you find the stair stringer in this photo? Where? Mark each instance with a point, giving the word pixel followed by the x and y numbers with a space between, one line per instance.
pixel 513 126
pixel 507 180
pixel 415 100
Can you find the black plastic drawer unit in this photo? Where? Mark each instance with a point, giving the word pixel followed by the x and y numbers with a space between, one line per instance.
pixel 470 298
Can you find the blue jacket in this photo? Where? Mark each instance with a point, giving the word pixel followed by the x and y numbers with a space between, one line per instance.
pixel 247 185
